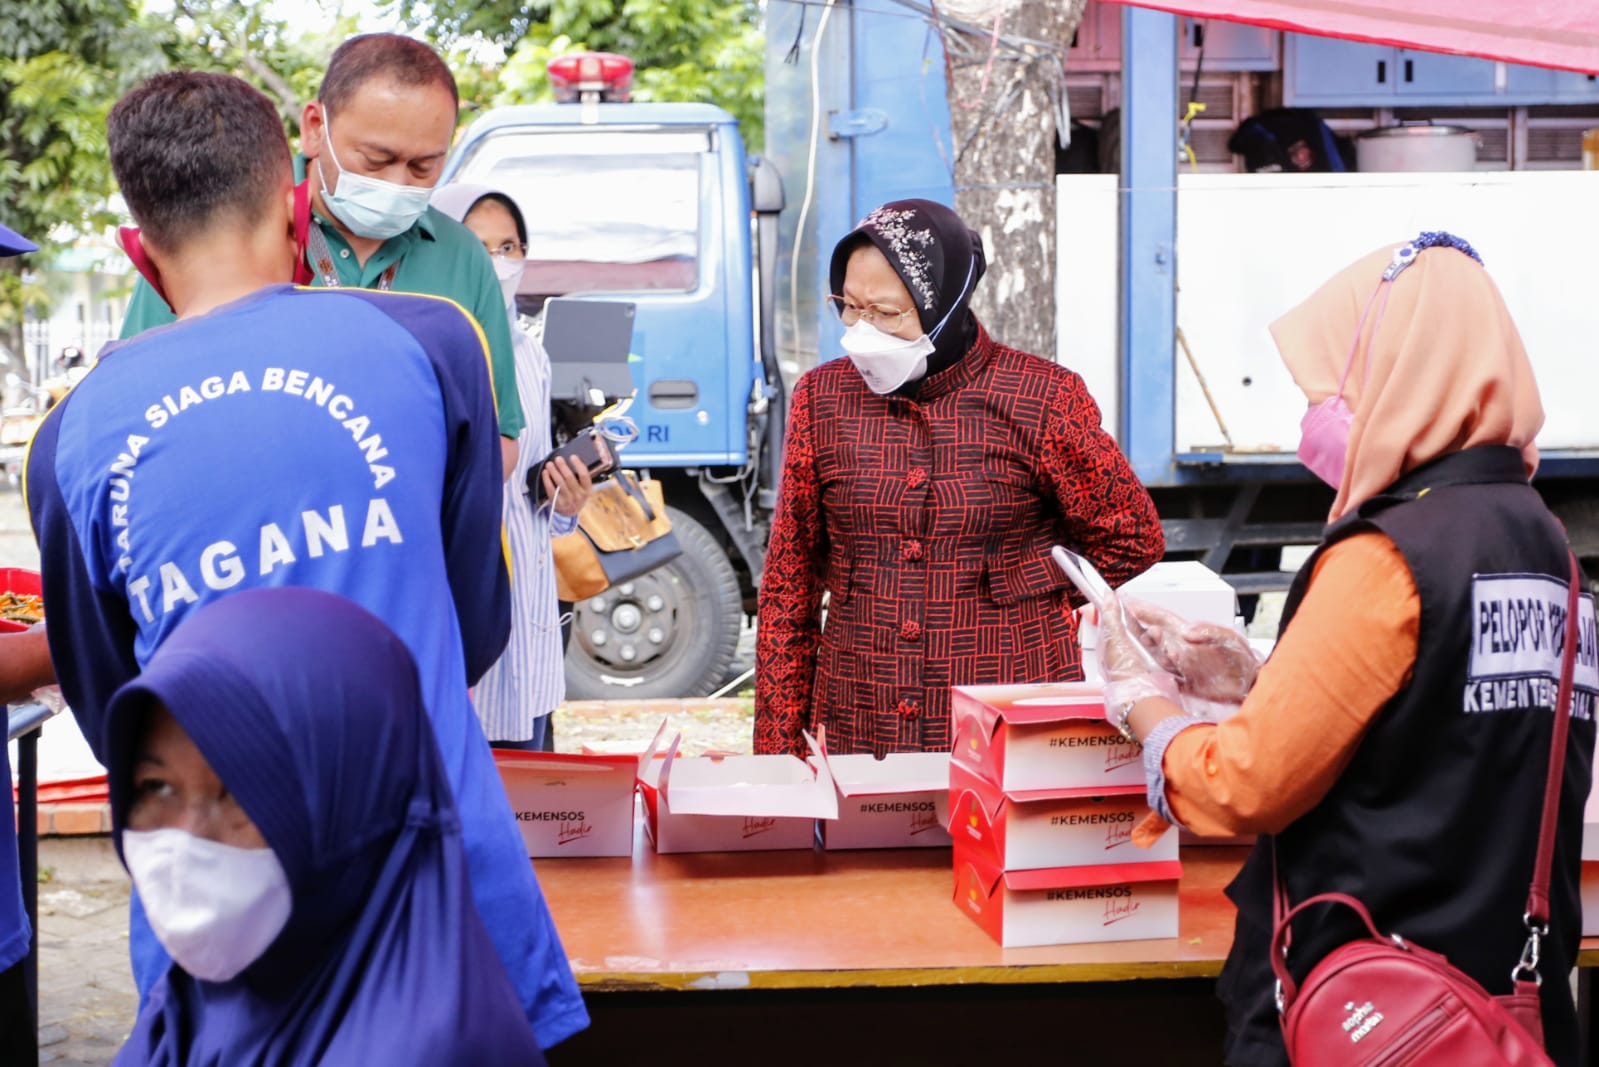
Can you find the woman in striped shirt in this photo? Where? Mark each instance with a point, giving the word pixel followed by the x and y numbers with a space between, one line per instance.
pixel 516 696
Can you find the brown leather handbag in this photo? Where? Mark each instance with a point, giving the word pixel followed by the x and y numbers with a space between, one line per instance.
pixel 622 532
pixel 1383 1000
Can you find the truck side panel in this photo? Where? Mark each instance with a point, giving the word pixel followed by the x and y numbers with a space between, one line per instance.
pixel 859 117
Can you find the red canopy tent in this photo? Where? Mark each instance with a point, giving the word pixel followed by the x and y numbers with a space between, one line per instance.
pixel 1540 33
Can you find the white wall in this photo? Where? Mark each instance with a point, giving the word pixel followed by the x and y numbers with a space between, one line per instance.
pixel 1085 285
pixel 1251 246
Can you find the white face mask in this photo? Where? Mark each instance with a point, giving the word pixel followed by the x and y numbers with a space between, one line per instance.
pixel 509 271
pixel 216 908
pixel 885 362
pixel 370 207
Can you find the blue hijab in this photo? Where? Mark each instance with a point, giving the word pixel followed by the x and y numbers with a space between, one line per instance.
pixel 310 711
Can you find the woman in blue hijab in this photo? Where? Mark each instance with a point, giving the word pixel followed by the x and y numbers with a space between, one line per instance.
pixel 278 798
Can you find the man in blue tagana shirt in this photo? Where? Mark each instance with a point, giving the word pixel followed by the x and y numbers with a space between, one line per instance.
pixel 340 439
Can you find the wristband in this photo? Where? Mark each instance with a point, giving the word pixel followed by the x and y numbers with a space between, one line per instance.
pixel 1117 717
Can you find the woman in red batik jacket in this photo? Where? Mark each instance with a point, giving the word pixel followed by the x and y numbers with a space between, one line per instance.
pixel 924 481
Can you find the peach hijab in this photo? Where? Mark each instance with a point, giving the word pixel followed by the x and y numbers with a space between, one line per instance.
pixel 1441 368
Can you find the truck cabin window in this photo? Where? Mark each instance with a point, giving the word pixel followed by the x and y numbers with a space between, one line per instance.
pixel 607 210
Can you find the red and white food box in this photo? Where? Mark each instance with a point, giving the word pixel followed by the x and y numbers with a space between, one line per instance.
pixel 1067 905
pixel 571 805
pixel 900 801
pixel 1590 866
pixel 1048 736
pixel 1051 828
pixel 733 803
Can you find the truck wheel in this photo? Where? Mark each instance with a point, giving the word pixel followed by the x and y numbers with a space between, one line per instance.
pixel 669 633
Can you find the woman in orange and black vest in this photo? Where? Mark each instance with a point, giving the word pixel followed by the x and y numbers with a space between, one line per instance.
pixel 1380 747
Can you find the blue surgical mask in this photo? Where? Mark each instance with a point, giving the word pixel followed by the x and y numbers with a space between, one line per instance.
pixel 370 207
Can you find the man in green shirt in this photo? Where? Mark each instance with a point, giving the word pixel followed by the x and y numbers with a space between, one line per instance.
pixel 373 145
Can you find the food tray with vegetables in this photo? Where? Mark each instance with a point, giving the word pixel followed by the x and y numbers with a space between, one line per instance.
pixel 20 603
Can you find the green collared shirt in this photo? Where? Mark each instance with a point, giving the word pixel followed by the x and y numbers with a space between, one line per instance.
pixel 437 256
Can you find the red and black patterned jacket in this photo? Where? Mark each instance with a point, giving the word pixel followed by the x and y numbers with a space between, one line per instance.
pixel 928 522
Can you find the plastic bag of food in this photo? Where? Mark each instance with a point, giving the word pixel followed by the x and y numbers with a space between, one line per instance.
pixel 1216 665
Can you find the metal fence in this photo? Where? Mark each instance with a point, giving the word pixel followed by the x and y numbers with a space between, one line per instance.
pixel 43 345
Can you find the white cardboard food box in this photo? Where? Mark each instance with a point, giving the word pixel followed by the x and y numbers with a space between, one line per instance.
pixel 568 805
pixel 1188 588
pixel 1048 736
pixel 1068 905
pixel 734 803
pixel 900 801
pixel 1040 829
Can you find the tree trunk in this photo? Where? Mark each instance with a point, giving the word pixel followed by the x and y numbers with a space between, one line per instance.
pixel 1003 107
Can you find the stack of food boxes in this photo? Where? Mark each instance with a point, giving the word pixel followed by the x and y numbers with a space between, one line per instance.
pixel 1190 589
pixel 1044 796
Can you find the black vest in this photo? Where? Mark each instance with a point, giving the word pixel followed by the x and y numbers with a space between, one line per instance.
pixel 1434 823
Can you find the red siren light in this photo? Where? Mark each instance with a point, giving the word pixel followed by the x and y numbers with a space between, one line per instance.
pixel 598 77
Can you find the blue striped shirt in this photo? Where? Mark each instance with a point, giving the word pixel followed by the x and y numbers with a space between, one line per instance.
pixel 529 678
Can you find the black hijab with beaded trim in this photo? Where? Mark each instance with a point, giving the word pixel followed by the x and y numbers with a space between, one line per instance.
pixel 937 256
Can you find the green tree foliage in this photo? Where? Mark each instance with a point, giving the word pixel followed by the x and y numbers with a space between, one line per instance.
pixel 243 40
pixel 62 65
pixel 697 50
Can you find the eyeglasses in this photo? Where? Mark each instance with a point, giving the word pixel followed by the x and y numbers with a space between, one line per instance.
pixel 509 250
pixel 885 317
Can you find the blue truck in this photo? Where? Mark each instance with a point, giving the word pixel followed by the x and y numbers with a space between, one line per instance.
pixel 725 261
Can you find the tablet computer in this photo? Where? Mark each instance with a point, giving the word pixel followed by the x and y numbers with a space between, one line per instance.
pixel 589 342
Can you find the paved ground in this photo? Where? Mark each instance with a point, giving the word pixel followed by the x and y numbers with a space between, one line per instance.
pixel 86 996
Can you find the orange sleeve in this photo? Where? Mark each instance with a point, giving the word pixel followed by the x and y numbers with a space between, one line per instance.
pixel 1350 647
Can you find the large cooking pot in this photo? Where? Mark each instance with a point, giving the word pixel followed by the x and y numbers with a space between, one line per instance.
pixel 1419 147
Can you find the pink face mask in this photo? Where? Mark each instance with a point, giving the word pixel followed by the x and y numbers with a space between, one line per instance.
pixel 1324 439
pixel 1324 430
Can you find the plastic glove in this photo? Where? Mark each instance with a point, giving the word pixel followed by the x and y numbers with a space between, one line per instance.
pixel 1121 653
pixel 1136 687
pixel 1131 672
pixel 1216 663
